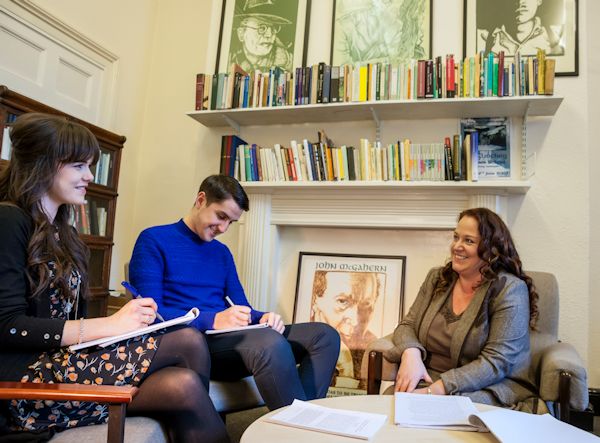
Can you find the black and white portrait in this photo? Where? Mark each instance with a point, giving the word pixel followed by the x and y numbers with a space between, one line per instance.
pixel 524 26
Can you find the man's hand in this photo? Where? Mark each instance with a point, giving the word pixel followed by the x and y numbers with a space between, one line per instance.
pixel 235 316
pixel 274 321
pixel 411 371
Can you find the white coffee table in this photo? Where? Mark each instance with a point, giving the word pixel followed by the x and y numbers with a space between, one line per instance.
pixel 264 432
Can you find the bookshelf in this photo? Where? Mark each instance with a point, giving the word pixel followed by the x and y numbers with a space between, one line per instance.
pixel 94 221
pixel 378 111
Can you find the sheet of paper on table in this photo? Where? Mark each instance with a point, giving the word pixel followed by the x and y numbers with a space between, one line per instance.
pixel 305 415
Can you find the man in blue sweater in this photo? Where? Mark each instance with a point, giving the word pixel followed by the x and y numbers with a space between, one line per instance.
pixel 181 265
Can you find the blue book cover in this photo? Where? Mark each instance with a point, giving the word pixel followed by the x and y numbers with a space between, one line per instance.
pixel 254 162
pixel 493 146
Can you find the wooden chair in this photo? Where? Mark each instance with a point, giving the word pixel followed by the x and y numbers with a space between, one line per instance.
pixel 557 367
pixel 117 398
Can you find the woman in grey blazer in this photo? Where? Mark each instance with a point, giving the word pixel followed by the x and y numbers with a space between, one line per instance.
pixel 467 332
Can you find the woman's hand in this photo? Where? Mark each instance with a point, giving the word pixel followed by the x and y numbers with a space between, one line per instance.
pixel 233 317
pixel 137 313
pixel 411 371
pixel 436 388
pixel 274 321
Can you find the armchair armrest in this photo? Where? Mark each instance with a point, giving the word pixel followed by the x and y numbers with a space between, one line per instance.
pixel 560 363
pixel 117 398
pixel 376 367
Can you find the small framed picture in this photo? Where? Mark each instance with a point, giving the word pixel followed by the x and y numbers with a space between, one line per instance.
pixel 386 31
pixel 361 296
pixel 552 25
pixel 263 34
pixel 494 145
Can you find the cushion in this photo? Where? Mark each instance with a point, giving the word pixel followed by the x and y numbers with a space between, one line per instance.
pixel 137 430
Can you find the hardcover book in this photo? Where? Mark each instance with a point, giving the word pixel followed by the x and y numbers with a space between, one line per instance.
pixel 493 146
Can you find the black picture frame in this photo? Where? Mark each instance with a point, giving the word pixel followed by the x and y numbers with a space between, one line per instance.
pixel 420 52
pixel 361 296
pixel 556 22
pixel 231 10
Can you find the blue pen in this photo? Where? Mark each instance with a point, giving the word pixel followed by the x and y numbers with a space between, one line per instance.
pixel 136 294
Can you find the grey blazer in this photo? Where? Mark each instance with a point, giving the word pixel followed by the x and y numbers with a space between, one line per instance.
pixel 490 347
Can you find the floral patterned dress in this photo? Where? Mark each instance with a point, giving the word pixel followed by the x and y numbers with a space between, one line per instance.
pixel 123 363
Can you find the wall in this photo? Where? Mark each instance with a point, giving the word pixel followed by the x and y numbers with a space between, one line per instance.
pixel 126 29
pixel 168 153
pixel 593 108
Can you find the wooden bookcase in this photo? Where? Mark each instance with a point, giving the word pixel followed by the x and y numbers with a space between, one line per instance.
pixel 100 208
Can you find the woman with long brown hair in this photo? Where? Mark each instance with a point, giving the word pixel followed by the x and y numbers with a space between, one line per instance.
pixel 43 291
pixel 467 332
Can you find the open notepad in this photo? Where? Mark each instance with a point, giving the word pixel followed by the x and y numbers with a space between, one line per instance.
pixel 103 342
pixel 238 328
pixel 459 413
pixel 301 414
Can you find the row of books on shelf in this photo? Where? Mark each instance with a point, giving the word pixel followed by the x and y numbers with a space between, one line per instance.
pixel 443 77
pixel 90 219
pixel 460 157
pixel 102 169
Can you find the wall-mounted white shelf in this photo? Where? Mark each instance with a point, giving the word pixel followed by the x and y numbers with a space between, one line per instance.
pixel 490 187
pixel 529 106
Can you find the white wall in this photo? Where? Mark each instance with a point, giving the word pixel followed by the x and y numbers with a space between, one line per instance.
pixel 593 107
pixel 163 45
pixel 127 30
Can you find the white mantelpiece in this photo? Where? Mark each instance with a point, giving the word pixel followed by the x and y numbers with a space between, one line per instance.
pixel 371 205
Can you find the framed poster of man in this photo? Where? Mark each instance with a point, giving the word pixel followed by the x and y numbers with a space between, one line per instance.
pixel 263 34
pixel 524 26
pixel 361 296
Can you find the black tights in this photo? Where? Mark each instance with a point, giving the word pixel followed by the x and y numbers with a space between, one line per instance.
pixel 175 389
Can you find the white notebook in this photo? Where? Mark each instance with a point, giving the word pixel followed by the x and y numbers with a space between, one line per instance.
pixel 103 342
pixel 459 413
pixel 238 328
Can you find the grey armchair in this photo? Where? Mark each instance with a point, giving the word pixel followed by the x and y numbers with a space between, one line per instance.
pixel 557 367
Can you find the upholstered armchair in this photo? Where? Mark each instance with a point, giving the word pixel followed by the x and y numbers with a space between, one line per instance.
pixel 556 366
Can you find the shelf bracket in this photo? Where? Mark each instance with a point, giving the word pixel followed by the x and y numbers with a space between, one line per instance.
pixel 378 124
pixel 525 174
pixel 231 122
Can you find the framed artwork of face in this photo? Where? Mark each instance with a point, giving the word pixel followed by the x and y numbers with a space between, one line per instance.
pixel 523 26
pixel 386 31
pixel 263 34
pixel 361 296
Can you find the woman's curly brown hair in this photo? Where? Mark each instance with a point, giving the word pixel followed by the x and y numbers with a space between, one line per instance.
pixel 41 144
pixel 497 250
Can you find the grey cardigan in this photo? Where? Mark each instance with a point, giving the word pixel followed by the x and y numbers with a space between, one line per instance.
pixel 490 348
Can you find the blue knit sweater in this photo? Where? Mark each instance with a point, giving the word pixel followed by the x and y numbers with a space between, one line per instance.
pixel 179 271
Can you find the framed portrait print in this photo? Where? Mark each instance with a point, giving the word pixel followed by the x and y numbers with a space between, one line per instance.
pixel 361 296
pixel 552 25
pixel 391 31
pixel 262 34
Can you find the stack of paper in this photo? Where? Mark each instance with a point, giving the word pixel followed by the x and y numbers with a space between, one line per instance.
pixel 306 415
pixel 459 413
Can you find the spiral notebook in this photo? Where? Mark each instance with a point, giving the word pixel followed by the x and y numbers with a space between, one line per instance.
pixel 103 342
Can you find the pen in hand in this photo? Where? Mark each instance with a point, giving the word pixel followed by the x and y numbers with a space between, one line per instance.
pixel 136 294
pixel 231 303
